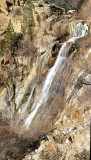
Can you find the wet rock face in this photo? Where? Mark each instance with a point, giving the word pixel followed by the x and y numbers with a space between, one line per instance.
pixel 67 4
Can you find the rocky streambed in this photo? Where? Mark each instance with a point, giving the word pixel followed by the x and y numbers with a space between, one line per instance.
pixel 13 145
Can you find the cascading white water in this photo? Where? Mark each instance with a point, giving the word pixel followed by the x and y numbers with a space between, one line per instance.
pixel 80 31
pixel 25 106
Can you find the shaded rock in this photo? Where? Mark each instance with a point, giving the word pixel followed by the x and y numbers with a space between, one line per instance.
pixel 56 9
pixel 69 4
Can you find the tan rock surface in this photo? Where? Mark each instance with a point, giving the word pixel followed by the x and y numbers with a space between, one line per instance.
pixel 67 113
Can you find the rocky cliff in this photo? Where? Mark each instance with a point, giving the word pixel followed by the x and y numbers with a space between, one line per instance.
pixel 45 86
pixel 67 4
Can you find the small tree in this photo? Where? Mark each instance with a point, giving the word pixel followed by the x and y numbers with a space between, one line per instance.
pixel 10 38
pixel 28 20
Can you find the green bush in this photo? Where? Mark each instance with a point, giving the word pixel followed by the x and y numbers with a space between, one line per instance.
pixel 16 12
pixel 10 38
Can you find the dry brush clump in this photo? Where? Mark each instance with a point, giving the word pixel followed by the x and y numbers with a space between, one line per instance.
pixel 84 155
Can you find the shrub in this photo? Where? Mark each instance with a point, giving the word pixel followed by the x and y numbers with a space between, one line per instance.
pixel 16 12
pixel 10 38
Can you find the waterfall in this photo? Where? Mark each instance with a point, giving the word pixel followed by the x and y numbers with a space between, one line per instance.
pixel 25 106
pixel 81 30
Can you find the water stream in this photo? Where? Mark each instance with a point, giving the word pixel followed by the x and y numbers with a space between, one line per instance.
pixel 25 106
pixel 80 30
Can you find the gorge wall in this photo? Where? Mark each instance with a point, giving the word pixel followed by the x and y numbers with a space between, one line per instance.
pixel 45 110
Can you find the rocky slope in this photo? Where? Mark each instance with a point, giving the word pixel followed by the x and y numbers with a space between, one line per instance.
pixel 60 128
pixel 67 4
